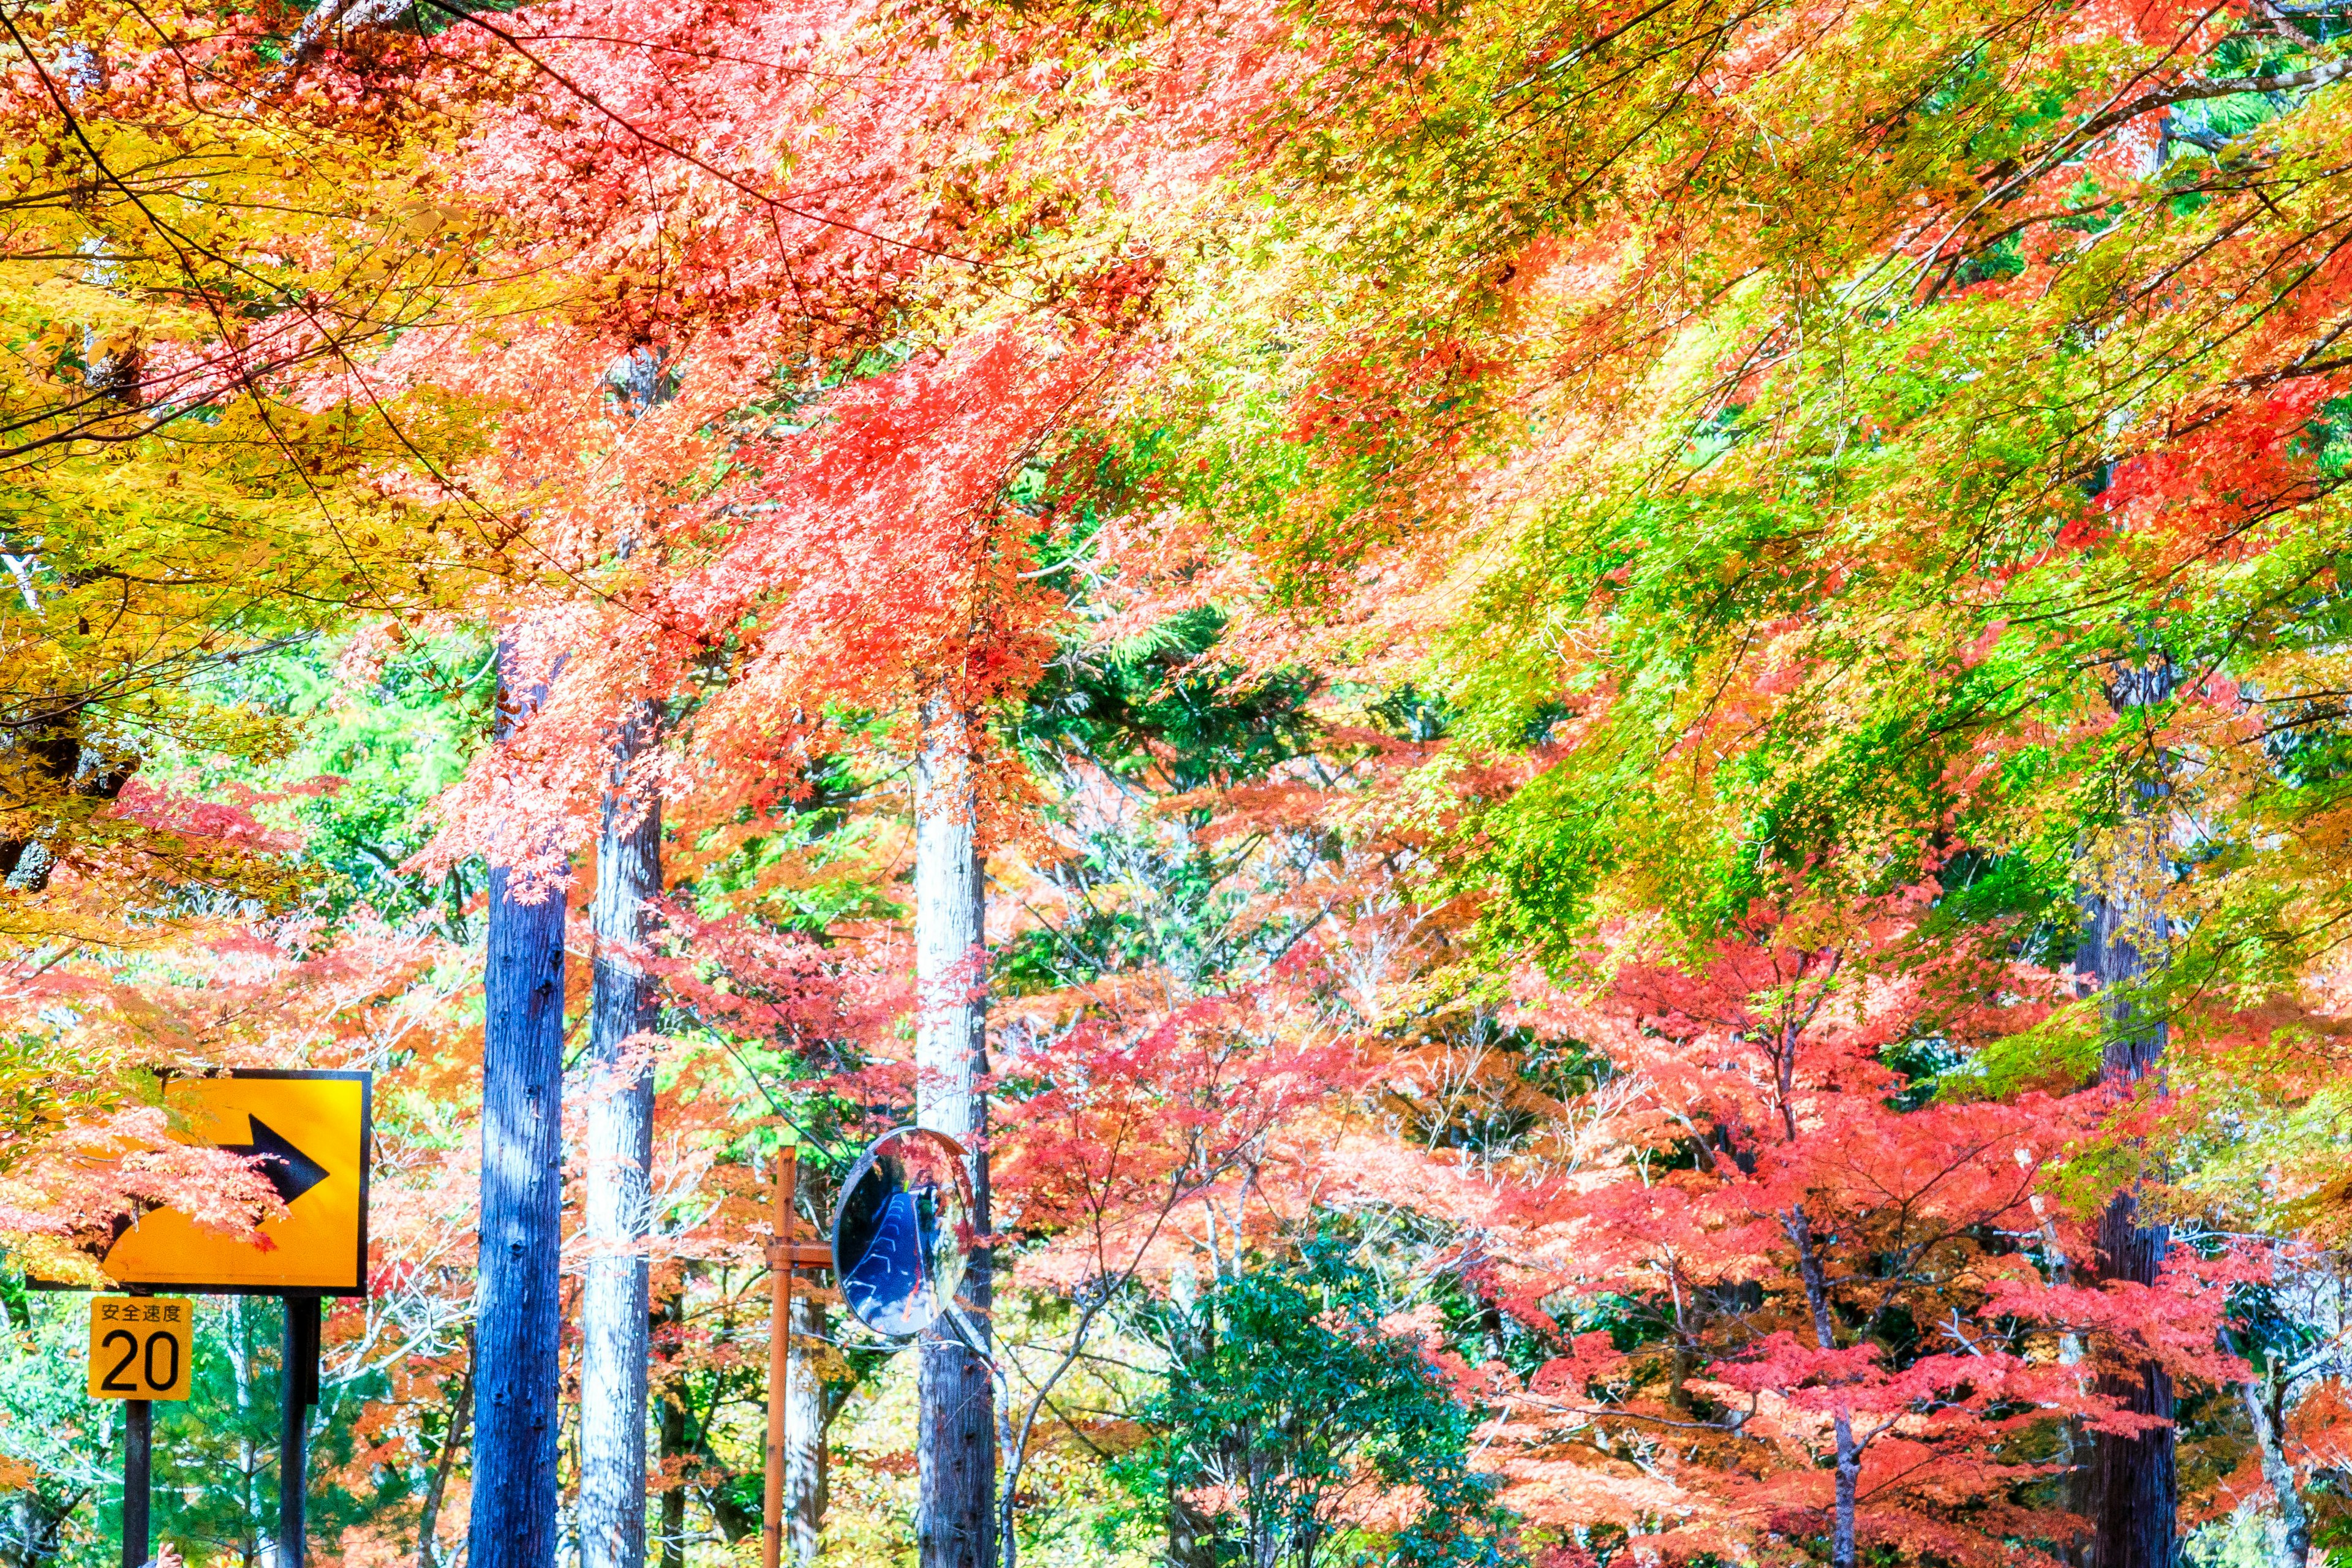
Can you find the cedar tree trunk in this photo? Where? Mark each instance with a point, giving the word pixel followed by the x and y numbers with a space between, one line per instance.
pixel 518 1300
pixel 956 1423
pixel 615 1326
pixel 2134 1486
pixel 808 1411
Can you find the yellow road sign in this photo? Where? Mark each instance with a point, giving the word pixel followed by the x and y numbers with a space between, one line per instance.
pixel 309 1133
pixel 140 1347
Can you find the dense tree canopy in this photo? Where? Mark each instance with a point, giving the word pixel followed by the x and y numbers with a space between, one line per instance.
pixel 1597 749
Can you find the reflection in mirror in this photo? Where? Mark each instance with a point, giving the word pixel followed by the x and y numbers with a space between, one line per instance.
pixel 901 1234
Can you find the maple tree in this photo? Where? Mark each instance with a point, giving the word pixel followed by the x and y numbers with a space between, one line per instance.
pixel 1832 1332
pixel 207 226
pixel 1694 649
pixel 1915 377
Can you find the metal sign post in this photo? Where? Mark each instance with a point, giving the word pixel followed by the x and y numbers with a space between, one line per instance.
pixel 138 1463
pixel 299 1383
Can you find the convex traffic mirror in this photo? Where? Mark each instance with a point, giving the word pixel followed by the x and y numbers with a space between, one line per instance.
pixel 903 1232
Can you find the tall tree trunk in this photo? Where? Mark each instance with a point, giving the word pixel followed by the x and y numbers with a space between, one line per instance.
pixel 614 1322
pixel 807 1413
pixel 2133 1484
pixel 956 1427
pixel 519 1298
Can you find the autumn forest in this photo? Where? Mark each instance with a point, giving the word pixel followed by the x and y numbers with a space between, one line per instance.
pixel 1594 758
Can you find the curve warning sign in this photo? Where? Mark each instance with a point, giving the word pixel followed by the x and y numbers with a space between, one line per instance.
pixel 308 1133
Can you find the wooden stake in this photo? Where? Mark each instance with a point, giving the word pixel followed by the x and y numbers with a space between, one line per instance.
pixel 780 1358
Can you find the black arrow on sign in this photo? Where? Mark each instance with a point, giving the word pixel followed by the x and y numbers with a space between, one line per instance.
pixel 290 1170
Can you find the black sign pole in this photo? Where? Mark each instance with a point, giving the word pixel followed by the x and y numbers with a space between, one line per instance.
pixel 138 1468
pixel 138 1455
pixel 300 1382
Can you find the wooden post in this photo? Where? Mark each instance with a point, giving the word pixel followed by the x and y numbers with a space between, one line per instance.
pixel 780 1339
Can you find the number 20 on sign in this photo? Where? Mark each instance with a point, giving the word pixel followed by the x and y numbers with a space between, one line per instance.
pixel 139 1346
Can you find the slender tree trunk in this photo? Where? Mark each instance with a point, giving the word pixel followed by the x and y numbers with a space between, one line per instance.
pixel 1843 1541
pixel 2074 1443
pixel 614 1322
pixel 807 1413
pixel 240 1366
pixel 2078 1449
pixel 956 1433
pixel 2133 1484
pixel 673 1448
pixel 453 1439
pixel 2294 1518
pixel 519 1298
pixel 1191 1533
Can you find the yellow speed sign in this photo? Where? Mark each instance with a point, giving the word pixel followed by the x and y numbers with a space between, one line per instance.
pixel 140 1347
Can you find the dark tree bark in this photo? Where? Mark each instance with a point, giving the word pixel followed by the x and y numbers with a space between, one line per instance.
pixel 2134 1482
pixel 44 752
pixel 31 1529
pixel 1844 1543
pixel 519 1302
pixel 956 1423
pixel 614 1322
pixel 39 767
